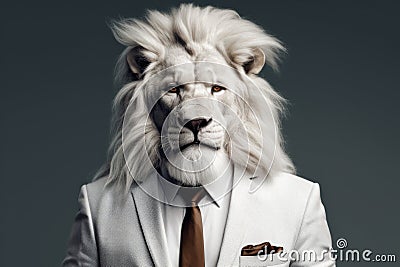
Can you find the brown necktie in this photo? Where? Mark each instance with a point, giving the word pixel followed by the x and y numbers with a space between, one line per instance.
pixel 192 244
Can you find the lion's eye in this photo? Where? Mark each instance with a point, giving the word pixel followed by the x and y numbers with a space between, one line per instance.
pixel 173 90
pixel 216 89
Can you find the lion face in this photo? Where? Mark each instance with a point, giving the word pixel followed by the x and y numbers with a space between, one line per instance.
pixel 194 118
pixel 191 119
pixel 192 123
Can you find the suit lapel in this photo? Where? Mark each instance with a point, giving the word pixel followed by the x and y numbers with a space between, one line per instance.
pixel 235 229
pixel 150 217
pixel 149 212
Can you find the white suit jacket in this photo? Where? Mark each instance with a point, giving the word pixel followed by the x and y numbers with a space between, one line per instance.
pixel 285 211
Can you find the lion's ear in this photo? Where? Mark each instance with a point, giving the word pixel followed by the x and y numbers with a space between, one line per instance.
pixel 137 60
pixel 141 47
pixel 255 63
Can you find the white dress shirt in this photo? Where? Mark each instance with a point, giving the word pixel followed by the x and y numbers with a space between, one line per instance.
pixel 214 209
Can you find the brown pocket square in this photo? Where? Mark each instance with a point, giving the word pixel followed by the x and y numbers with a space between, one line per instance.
pixel 260 249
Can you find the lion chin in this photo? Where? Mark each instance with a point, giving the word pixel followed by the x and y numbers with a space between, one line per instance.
pixel 197 165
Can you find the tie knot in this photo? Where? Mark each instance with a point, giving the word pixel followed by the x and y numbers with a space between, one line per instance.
pixel 198 196
pixel 193 197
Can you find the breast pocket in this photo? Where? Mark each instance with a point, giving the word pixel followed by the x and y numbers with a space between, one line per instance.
pixel 254 261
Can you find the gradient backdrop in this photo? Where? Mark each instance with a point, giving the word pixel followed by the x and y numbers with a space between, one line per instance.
pixel 340 76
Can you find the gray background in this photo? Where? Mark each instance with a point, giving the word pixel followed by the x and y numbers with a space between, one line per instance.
pixel 340 75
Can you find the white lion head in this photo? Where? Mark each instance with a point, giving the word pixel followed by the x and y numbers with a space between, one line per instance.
pixel 191 99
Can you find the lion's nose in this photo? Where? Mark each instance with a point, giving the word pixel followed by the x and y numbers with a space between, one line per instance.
pixel 196 124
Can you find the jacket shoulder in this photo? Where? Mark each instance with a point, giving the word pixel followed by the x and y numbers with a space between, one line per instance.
pixel 97 191
pixel 291 192
pixel 96 187
pixel 288 184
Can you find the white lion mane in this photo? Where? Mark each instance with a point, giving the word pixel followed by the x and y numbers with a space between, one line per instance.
pixel 235 39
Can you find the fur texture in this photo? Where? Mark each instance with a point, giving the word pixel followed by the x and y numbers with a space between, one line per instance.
pixel 189 34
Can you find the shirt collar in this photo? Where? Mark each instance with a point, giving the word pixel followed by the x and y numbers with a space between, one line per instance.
pixel 216 190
